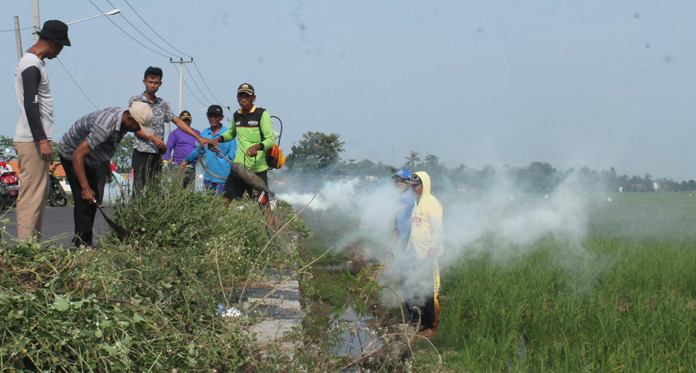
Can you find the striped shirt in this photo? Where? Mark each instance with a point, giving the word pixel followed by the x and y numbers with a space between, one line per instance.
pixel 102 130
pixel 162 114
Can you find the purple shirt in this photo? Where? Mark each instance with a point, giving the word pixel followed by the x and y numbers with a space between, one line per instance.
pixel 181 143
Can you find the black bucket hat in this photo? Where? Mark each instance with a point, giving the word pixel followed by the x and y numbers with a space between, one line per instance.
pixel 56 31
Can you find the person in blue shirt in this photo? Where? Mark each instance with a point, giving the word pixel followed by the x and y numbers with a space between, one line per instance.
pixel 218 167
pixel 402 220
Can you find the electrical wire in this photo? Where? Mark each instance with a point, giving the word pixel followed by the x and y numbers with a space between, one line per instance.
pixel 153 30
pixel 23 28
pixel 194 95
pixel 196 84
pixel 140 32
pixel 204 83
pixel 78 86
pixel 190 90
pixel 129 35
pixel 193 79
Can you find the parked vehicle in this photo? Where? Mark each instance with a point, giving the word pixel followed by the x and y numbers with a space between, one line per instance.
pixel 9 183
pixel 56 193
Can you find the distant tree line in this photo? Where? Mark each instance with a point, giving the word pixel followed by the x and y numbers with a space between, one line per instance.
pixel 318 153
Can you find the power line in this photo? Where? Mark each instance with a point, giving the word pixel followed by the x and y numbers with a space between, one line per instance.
pixel 129 35
pixel 196 84
pixel 169 44
pixel 153 30
pixel 163 49
pixel 190 90
pixel 204 83
pixel 138 30
pixel 78 86
pixel 23 28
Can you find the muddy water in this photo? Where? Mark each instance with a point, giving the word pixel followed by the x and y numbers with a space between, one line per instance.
pixel 358 337
pixel 357 334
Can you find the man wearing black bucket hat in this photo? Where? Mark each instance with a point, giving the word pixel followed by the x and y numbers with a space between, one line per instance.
pixel 34 130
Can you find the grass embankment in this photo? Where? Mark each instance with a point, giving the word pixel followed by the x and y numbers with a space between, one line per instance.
pixel 624 299
pixel 146 304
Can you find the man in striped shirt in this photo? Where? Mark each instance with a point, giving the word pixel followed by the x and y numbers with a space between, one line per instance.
pixel 88 144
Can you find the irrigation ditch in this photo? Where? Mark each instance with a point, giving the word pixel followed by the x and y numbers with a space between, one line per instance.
pixel 344 319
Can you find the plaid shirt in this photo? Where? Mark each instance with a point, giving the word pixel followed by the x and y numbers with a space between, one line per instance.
pixel 162 114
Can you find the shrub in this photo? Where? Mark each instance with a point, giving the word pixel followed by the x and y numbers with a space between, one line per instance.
pixel 147 303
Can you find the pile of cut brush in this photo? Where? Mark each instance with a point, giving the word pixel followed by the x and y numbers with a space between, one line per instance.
pixel 147 303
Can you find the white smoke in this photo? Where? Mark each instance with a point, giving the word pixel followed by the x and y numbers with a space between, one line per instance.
pixel 512 220
pixel 369 206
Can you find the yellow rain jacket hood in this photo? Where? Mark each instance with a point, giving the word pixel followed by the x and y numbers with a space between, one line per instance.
pixel 426 222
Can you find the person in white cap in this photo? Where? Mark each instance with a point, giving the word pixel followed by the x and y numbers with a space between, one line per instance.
pixel 88 144
pixel 34 130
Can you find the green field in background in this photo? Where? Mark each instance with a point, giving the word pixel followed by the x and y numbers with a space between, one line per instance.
pixel 621 298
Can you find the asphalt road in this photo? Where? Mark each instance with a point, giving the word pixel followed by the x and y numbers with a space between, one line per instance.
pixel 58 224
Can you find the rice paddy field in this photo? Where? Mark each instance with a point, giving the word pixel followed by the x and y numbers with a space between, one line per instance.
pixel 619 298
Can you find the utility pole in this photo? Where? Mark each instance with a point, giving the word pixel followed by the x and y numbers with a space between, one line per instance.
pixel 37 20
pixel 181 63
pixel 20 52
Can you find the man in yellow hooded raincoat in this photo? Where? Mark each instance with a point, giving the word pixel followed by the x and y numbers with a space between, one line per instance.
pixel 424 247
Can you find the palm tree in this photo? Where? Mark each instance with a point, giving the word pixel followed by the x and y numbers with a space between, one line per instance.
pixel 432 161
pixel 412 159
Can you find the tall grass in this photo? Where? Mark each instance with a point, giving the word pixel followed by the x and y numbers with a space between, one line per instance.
pixel 624 300
pixel 148 303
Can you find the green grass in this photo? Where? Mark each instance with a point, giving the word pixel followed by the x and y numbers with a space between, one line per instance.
pixel 148 303
pixel 622 300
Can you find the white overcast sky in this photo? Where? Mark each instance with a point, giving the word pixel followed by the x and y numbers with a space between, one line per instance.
pixel 573 83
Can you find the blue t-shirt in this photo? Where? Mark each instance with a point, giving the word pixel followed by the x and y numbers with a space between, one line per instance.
pixel 215 163
pixel 402 221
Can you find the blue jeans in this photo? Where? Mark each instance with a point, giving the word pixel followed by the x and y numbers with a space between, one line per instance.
pixel 217 187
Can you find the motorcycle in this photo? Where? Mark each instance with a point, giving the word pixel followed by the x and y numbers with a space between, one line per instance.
pixel 9 184
pixel 56 194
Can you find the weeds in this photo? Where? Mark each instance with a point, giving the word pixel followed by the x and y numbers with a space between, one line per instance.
pixel 146 304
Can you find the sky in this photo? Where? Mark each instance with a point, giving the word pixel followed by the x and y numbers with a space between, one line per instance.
pixel 592 83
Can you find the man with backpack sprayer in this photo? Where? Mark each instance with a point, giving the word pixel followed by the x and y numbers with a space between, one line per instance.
pixel 253 130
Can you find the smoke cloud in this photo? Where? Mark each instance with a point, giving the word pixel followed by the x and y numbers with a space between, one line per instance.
pixel 508 218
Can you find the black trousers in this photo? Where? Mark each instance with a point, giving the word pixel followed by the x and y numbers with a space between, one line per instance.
pixel 83 212
pixel 424 308
pixel 145 167
pixel 428 315
pixel 235 186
